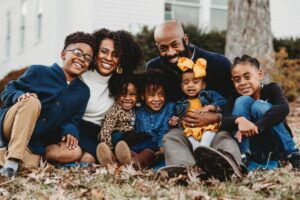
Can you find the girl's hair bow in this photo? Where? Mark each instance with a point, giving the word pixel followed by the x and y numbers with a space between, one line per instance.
pixel 198 67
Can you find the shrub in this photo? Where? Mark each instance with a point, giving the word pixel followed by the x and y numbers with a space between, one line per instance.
pixel 292 46
pixel 13 75
pixel 287 73
pixel 213 41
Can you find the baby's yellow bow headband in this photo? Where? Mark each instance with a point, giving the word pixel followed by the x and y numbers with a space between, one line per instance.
pixel 198 67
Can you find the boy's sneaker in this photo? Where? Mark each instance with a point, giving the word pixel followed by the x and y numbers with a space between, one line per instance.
pixel 105 155
pixel 8 172
pixel 123 153
pixel 245 159
pixel 294 159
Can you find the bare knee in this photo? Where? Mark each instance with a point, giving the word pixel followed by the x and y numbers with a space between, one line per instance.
pixel 62 154
pixel 87 158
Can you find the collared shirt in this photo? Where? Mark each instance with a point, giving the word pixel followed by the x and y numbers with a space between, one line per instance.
pixel 153 123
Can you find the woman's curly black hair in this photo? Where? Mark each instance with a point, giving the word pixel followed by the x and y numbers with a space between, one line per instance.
pixel 127 50
pixel 130 53
pixel 119 87
pixel 81 37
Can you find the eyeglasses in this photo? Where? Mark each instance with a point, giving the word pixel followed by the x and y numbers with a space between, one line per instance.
pixel 78 52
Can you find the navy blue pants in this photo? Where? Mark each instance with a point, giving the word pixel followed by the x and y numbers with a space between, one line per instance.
pixel 89 137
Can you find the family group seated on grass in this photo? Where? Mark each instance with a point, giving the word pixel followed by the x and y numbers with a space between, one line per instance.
pixel 189 108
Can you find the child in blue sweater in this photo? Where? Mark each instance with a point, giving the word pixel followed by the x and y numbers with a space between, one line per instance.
pixel 44 106
pixel 151 119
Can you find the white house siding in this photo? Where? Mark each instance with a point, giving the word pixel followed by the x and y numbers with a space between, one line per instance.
pixel 35 51
pixel 129 15
pixel 285 17
pixel 61 17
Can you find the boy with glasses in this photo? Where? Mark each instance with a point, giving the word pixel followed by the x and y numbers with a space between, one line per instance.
pixel 44 106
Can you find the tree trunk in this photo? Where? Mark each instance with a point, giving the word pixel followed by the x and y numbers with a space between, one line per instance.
pixel 249 31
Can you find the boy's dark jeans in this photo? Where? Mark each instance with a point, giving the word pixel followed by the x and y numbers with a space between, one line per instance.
pixel 260 146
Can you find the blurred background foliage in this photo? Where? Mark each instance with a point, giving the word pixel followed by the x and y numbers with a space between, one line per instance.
pixel 287 56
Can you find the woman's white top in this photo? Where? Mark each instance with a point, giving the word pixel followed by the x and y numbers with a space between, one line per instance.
pixel 99 101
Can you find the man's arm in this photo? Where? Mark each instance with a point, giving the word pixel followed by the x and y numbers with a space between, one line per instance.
pixel 279 110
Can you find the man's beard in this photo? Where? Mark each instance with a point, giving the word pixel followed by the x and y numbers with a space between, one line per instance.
pixel 184 53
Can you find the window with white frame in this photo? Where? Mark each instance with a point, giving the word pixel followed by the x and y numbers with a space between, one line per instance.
pixel 39 19
pixel 185 11
pixel 218 15
pixel 23 23
pixel 8 35
pixel 205 14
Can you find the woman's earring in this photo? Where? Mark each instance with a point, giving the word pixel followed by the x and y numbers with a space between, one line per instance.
pixel 119 70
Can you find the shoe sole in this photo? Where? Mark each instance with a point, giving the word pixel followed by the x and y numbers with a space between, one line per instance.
pixel 216 164
pixel 123 153
pixel 104 154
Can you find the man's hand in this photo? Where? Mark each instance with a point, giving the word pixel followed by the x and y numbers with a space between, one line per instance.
pixel 208 108
pixel 70 140
pixel 245 127
pixel 173 121
pixel 196 119
pixel 26 96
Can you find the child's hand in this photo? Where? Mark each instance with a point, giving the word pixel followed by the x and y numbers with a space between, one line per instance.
pixel 26 96
pixel 70 141
pixel 161 151
pixel 173 121
pixel 246 127
pixel 238 136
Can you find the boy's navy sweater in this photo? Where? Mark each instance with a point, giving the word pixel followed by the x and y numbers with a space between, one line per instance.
pixel 63 104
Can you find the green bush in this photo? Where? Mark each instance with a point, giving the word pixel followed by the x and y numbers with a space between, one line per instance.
pixel 287 73
pixel 213 41
pixel 292 46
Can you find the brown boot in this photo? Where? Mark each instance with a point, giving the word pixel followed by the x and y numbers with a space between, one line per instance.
pixel 104 155
pixel 143 159
pixel 123 153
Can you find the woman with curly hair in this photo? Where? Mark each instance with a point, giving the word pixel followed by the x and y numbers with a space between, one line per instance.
pixel 118 55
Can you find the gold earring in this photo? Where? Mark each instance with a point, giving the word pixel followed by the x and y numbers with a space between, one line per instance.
pixel 119 70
